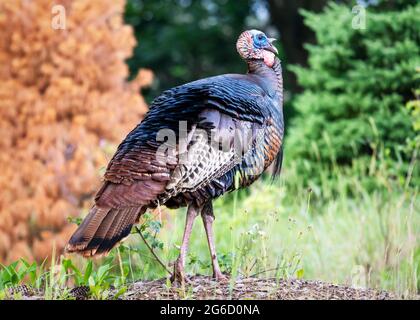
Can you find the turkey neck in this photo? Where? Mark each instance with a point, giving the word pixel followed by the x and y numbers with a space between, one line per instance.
pixel 272 77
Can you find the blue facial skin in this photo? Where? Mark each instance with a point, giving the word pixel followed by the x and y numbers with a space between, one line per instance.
pixel 260 41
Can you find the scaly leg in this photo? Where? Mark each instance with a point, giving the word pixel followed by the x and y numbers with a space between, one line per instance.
pixel 179 274
pixel 208 218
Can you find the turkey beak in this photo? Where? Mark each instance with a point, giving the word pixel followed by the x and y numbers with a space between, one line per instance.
pixel 271 47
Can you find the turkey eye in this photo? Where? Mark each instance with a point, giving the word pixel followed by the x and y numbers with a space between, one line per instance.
pixel 259 40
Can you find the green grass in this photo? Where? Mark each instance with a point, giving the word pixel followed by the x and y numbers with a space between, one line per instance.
pixel 367 240
pixel 357 225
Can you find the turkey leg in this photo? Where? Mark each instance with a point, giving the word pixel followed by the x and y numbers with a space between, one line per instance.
pixel 179 274
pixel 208 218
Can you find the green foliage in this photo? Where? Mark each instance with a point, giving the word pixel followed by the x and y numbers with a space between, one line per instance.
pixel 56 280
pixel 413 107
pixel 183 40
pixel 150 229
pixel 16 272
pixel 98 281
pixel 355 87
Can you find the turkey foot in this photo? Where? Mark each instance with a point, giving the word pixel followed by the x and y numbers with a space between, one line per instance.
pixel 220 277
pixel 178 276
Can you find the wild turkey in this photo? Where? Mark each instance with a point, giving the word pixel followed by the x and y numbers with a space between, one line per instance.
pixel 198 141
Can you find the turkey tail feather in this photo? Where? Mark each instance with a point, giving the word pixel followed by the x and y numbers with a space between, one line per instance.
pixel 102 229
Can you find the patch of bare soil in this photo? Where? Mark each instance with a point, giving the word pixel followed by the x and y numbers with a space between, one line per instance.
pixel 203 287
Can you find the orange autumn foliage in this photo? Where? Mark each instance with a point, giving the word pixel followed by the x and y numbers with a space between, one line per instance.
pixel 64 104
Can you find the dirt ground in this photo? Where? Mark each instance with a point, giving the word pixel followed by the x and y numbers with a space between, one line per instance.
pixel 203 287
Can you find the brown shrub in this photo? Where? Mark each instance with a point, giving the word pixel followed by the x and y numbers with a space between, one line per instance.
pixel 64 104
